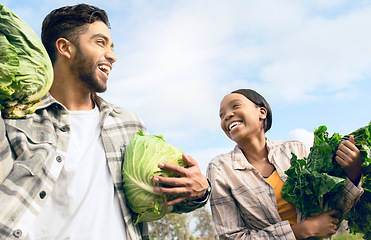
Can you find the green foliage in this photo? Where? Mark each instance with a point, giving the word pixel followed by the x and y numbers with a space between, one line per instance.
pixel 309 178
pixel 186 226
pixel 26 72
pixel 314 181
pixel 172 226
pixel 349 237
pixel 204 222
pixel 359 217
pixel 141 160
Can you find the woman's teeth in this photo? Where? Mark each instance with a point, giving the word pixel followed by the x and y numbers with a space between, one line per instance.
pixel 233 125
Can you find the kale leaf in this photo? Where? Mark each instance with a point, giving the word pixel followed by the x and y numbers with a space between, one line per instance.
pixel 314 181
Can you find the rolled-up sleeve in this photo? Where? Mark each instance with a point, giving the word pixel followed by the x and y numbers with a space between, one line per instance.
pixel 348 197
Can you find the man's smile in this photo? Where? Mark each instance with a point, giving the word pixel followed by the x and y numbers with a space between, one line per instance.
pixel 104 68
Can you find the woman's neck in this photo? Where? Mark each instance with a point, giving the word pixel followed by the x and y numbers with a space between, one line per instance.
pixel 256 153
pixel 254 148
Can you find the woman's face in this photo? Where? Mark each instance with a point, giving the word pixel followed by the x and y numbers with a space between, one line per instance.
pixel 240 118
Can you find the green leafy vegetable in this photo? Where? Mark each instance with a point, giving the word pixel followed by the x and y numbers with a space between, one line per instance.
pixel 26 72
pixel 314 181
pixel 141 160
pixel 359 217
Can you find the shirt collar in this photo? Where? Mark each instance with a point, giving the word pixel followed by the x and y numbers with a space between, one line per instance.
pixel 239 160
pixel 49 100
pixel 270 146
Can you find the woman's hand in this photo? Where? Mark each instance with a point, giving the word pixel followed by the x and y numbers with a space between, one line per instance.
pixel 349 158
pixel 322 225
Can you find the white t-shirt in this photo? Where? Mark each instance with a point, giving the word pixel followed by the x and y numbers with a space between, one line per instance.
pixel 83 204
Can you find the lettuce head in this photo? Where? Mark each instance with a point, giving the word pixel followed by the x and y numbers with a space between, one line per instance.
pixel 26 72
pixel 141 160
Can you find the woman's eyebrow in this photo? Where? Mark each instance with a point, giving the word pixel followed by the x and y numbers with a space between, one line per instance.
pixel 234 101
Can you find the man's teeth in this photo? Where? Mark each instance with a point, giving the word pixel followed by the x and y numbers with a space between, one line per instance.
pixel 104 68
pixel 234 124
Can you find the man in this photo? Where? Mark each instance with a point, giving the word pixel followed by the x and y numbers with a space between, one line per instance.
pixel 65 181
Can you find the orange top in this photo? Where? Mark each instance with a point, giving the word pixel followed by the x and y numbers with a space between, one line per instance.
pixel 286 210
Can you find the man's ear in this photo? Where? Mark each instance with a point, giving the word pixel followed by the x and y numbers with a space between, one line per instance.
pixel 64 47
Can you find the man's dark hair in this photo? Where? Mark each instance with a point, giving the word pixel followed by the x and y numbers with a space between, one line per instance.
pixel 260 101
pixel 69 22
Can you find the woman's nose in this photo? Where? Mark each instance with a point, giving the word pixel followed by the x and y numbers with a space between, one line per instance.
pixel 228 115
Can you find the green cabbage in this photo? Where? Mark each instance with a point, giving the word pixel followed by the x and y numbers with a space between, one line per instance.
pixel 26 72
pixel 141 160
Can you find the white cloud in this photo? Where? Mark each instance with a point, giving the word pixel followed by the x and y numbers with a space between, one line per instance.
pixel 177 59
pixel 177 62
pixel 303 136
pixel 203 157
pixel 322 55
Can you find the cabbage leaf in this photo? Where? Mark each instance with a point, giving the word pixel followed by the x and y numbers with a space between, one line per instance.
pixel 141 160
pixel 26 72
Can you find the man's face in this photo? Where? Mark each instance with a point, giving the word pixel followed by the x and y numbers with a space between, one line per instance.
pixel 94 57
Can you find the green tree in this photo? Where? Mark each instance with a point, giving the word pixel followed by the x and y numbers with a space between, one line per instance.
pixel 187 226
pixel 172 226
pixel 204 222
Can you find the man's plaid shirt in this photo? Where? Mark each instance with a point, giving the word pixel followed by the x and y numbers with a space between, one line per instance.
pixel 32 154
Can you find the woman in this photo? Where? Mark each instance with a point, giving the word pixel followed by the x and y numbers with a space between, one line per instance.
pixel 246 199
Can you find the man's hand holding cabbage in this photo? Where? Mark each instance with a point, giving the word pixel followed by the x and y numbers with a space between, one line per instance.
pixel 158 179
pixel 190 185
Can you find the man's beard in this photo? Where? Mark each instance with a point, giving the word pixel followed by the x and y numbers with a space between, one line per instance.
pixel 85 69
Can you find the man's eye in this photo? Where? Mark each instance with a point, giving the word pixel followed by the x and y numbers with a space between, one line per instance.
pixel 101 42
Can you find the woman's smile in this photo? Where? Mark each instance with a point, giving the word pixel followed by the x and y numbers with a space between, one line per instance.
pixel 234 125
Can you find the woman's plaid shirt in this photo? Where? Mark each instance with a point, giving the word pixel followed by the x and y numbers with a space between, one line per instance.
pixel 244 205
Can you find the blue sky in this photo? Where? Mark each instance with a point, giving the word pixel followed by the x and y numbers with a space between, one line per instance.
pixel 177 59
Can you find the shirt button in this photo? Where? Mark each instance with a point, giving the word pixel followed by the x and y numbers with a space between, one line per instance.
pixel 59 159
pixel 42 194
pixel 17 233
